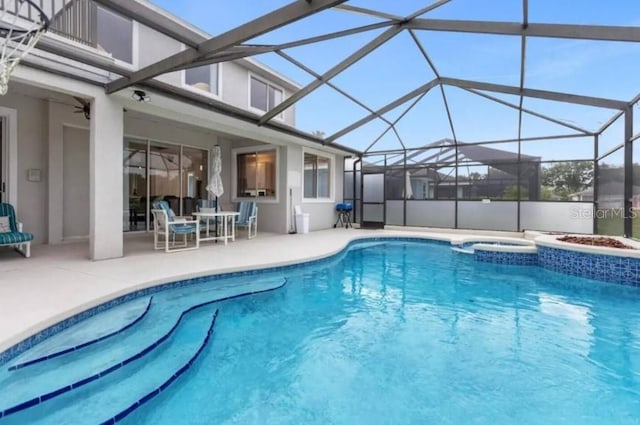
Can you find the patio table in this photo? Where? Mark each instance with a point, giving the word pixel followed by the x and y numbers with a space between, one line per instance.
pixel 227 217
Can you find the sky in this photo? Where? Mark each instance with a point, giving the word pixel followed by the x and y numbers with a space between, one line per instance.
pixel 602 69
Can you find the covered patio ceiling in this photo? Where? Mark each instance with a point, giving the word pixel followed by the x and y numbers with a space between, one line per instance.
pixel 500 70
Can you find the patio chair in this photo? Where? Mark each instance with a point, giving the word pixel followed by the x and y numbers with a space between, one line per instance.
pixel 208 205
pixel 189 205
pixel 174 202
pixel 166 225
pixel 248 217
pixel 11 233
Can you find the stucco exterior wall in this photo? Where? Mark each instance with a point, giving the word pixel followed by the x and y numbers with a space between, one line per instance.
pixel 61 116
pixel 322 212
pixel 154 46
pixel 235 85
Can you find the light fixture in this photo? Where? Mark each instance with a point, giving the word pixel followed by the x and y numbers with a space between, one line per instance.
pixel 140 96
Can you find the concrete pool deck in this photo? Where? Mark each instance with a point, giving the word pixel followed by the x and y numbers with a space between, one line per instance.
pixel 59 281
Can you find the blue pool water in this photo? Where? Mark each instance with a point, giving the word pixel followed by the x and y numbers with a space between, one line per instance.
pixel 387 333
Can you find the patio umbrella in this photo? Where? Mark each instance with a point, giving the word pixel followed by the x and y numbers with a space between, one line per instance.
pixel 408 190
pixel 215 182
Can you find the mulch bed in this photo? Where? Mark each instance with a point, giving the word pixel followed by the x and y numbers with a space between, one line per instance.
pixel 596 241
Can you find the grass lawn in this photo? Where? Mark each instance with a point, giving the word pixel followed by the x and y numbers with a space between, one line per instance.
pixel 614 226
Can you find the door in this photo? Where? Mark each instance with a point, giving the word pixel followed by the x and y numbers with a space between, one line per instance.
pixel 135 179
pixel 75 190
pixel 373 200
pixel 164 175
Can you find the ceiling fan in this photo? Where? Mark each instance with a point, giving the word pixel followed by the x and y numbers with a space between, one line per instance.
pixel 83 108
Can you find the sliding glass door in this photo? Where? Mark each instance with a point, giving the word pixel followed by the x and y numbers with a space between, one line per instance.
pixel 194 178
pixel 161 171
pixel 135 185
pixel 164 175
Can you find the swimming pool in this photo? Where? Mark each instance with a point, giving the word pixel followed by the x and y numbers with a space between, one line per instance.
pixel 388 332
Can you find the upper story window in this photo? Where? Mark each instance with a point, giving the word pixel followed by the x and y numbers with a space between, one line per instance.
pixel 115 34
pixel 264 96
pixel 204 77
pixel 317 176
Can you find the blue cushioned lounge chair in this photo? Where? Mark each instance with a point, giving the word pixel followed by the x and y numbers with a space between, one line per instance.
pixel 248 217
pixel 13 236
pixel 166 226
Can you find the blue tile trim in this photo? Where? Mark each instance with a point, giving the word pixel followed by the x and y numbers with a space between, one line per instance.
pixel 513 258
pixel 117 418
pixel 29 342
pixel 84 344
pixel 37 400
pixel 609 268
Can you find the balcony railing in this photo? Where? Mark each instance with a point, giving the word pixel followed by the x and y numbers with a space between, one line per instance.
pixel 73 19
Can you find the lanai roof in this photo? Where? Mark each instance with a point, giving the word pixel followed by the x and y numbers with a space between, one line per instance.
pixel 480 70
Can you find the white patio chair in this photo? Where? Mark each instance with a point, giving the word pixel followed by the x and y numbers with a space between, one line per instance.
pixel 166 226
pixel 248 218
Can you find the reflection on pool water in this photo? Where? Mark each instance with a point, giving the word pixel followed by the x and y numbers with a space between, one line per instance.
pixel 387 333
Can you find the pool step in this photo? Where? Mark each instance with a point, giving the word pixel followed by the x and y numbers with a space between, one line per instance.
pixel 25 386
pixel 57 374
pixel 111 398
pixel 86 333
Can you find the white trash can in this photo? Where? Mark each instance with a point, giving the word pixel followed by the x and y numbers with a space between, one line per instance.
pixel 302 220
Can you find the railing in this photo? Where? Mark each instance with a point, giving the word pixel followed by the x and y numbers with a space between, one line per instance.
pixel 73 19
pixel 77 21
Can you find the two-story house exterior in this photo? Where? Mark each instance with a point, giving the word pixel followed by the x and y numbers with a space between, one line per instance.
pixel 71 177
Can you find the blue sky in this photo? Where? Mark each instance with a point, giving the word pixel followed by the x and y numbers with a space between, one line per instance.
pixel 604 69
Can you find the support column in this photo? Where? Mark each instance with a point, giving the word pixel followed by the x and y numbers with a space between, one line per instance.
pixel 56 181
pixel 596 171
pixel 105 224
pixel 628 171
pixel 294 164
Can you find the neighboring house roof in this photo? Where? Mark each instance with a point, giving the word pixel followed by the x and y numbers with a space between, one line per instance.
pixel 444 150
pixel 478 153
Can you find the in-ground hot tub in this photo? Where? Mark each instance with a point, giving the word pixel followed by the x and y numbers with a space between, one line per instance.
pixel 498 250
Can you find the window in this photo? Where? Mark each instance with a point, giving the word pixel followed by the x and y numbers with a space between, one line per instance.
pixel 264 96
pixel 203 78
pixel 317 176
pixel 256 174
pixel 115 34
